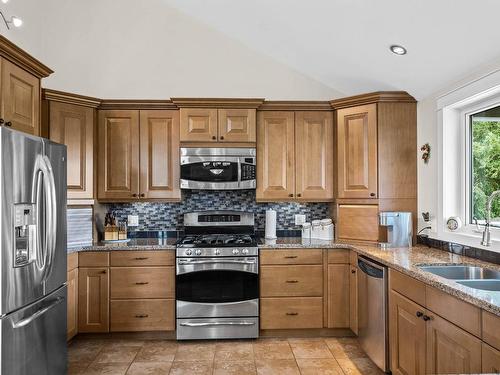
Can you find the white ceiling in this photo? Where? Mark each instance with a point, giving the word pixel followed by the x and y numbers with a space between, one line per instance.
pixel 345 43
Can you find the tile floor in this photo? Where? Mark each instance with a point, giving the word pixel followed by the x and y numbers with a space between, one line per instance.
pixel 309 356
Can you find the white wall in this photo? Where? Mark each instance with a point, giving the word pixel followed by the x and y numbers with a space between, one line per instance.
pixel 126 49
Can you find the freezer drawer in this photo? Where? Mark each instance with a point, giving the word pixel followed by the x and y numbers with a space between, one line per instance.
pixel 33 339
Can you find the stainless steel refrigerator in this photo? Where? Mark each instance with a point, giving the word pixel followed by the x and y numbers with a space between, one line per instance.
pixel 32 255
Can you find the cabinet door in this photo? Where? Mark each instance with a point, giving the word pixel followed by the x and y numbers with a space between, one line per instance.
pixel 72 325
pixel 451 350
pixel 490 360
pixel 159 134
pixel 314 156
pixel 357 222
pixel 357 152
pixel 118 161
pixel 237 125
pixel 20 98
pixel 407 336
pixel 73 126
pixel 353 299
pixel 198 125
pixel 93 300
pixel 338 296
pixel 275 156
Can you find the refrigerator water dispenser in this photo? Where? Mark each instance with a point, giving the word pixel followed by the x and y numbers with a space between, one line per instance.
pixel 25 233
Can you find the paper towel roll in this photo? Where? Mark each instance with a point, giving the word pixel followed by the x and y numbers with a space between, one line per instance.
pixel 270 224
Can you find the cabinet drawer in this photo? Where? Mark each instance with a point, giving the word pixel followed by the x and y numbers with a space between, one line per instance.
pixel 491 329
pixel 142 315
pixel 291 313
pixel 407 286
pixel 463 314
pixel 142 258
pixel 290 281
pixel 142 282
pixel 339 256
pixel 312 256
pixel 93 259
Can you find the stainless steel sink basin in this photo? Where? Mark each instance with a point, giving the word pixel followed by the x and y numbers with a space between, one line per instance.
pixel 491 285
pixel 459 272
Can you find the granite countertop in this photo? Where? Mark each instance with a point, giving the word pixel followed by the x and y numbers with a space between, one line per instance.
pixel 134 244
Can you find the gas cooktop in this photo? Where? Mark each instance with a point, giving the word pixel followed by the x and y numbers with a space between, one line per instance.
pixel 217 240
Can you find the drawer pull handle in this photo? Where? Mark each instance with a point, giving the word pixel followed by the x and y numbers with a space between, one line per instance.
pixel 290 256
pixel 292 313
pixel 142 316
pixel 142 283
pixel 292 281
pixel 103 271
pixel 141 258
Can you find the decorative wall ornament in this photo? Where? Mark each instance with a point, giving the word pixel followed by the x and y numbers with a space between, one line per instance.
pixel 426 152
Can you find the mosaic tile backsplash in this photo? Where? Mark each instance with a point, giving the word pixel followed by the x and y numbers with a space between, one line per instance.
pixel 169 216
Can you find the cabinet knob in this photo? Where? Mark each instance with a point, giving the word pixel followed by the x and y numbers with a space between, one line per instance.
pixel 372 194
pixel 143 195
pixel 214 137
pixel 221 137
pixel 134 195
pixel 299 195
pixel 1 121
pixel 290 195
pixel 426 318
pixel 104 272
pixel 8 123
pixel 353 271
pixel 419 314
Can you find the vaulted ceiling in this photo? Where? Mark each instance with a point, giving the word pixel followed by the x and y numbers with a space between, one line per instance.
pixel 279 49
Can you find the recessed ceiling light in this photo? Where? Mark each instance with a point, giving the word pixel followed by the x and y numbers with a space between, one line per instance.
pixel 16 21
pixel 5 1
pixel 398 50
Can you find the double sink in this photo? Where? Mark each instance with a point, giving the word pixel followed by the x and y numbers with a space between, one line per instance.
pixel 470 276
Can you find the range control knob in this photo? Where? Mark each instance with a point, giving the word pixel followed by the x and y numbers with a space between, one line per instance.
pixel 189 252
pixel 244 251
pixel 236 251
pixel 198 252
pixel 217 252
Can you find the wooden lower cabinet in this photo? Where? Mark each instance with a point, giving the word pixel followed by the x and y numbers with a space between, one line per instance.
pixel 338 296
pixel 490 359
pixel 142 315
pixel 407 336
pixel 72 325
pixel 93 300
pixel 353 299
pixel 142 282
pixel 286 281
pixel 291 313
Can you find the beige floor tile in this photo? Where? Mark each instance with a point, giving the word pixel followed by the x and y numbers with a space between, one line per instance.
pixel 157 351
pixel 107 369
pixel 195 351
pixel 122 354
pixel 119 343
pixel 149 368
pixel 272 349
pixel 191 368
pixel 83 353
pixel 315 366
pixel 77 368
pixel 310 348
pixel 359 366
pixel 236 351
pixel 235 368
pixel 276 367
pixel 346 348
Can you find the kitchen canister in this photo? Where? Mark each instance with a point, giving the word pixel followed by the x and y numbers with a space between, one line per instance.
pixel 316 229
pixel 270 225
pixel 326 232
pixel 306 231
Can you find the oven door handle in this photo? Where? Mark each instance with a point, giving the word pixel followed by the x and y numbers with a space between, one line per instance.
pixel 207 324
pixel 218 261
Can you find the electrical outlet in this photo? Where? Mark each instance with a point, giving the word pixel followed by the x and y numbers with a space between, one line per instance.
pixel 300 219
pixel 133 220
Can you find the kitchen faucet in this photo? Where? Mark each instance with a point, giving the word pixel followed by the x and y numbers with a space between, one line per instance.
pixel 486 233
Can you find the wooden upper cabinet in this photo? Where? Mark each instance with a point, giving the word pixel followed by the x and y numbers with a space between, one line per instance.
pixel 73 125
pixel 20 98
pixel 357 152
pixel 198 125
pixel 236 125
pixel 275 156
pixel 357 222
pixel 407 336
pixel 159 136
pixel 314 155
pixel 118 156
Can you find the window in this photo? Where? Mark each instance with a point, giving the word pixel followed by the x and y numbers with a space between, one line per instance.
pixel 485 164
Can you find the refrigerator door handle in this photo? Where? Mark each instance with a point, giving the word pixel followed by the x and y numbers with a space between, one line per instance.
pixel 24 322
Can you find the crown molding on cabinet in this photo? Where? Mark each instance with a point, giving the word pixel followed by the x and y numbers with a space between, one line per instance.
pixel 69 98
pixel 373 97
pixel 20 57
pixel 217 102
pixel 295 105
pixel 136 104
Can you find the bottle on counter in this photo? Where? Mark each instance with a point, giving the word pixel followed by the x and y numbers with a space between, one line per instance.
pixel 306 231
pixel 122 231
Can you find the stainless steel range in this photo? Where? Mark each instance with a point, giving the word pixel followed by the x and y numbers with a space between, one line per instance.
pixel 217 276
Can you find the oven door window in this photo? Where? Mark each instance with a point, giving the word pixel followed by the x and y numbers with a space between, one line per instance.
pixel 210 171
pixel 217 286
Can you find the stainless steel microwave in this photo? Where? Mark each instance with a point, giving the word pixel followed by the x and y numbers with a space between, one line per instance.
pixel 214 168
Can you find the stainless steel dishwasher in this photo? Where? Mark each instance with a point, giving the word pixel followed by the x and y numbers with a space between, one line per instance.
pixel 372 310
